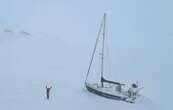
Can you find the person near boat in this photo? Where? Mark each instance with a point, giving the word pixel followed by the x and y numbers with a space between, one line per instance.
pixel 132 92
pixel 48 92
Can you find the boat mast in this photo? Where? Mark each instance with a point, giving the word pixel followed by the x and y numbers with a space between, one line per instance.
pixel 94 51
pixel 103 45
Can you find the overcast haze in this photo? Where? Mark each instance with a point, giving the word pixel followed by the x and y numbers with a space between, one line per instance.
pixel 139 35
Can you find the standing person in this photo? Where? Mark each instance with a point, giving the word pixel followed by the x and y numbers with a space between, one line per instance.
pixel 48 92
pixel 133 91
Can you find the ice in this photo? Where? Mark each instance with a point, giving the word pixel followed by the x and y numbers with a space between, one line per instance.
pixel 50 43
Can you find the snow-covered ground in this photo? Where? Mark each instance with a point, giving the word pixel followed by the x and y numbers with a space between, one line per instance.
pixel 51 42
pixel 28 64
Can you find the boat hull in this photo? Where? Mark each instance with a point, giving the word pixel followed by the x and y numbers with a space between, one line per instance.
pixel 104 94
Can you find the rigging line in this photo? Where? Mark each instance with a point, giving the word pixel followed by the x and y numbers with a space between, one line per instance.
pixel 95 46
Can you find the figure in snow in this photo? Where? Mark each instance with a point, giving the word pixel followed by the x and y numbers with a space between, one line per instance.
pixel 133 91
pixel 48 92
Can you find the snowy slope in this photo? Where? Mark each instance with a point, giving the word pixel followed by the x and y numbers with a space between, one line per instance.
pixel 28 64
pixel 59 44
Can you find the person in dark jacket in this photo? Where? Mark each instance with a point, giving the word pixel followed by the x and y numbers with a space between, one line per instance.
pixel 48 92
pixel 133 91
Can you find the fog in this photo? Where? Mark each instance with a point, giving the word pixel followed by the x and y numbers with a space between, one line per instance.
pixel 60 42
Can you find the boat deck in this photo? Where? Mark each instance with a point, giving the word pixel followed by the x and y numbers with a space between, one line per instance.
pixel 108 89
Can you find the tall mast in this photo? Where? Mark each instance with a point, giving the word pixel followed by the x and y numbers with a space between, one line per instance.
pixel 95 46
pixel 103 45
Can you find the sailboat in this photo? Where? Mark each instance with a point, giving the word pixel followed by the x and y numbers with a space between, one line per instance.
pixel 107 88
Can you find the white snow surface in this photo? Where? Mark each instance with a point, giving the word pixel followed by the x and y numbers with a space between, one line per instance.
pixel 29 64
pixel 50 43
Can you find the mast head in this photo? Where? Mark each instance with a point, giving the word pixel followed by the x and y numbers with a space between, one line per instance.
pixel 105 15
